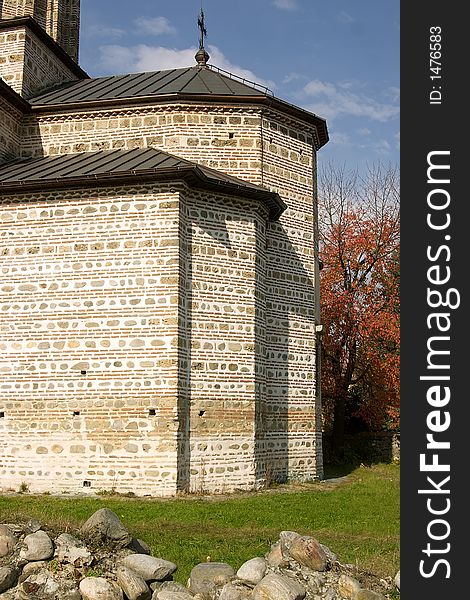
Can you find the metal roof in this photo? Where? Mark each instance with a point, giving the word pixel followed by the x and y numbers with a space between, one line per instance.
pixel 191 80
pixel 197 83
pixel 108 168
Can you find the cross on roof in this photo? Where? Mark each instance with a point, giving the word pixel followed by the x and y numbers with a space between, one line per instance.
pixel 202 29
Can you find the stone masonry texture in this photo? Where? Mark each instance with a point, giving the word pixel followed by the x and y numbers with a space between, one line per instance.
pixel 155 337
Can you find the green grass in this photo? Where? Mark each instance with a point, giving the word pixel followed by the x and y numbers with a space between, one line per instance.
pixel 358 518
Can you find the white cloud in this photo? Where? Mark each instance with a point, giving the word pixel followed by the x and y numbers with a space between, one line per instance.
pixel 393 93
pixel 336 100
pixel 364 131
pixel 104 32
pixel 286 4
pixel 340 138
pixel 219 60
pixel 290 77
pixel 382 147
pixel 154 26
pixel 136 59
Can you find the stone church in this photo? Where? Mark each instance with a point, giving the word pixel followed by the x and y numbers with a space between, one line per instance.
pixel 159 304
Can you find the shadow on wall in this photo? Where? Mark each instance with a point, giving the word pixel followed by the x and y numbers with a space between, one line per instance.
pixel 217 230
pixel 30 138
pixel 284 370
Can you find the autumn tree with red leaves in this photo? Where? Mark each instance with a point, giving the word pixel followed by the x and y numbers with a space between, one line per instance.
pixel 359 233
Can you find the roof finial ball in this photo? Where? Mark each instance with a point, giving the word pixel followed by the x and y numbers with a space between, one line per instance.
pixel 201 55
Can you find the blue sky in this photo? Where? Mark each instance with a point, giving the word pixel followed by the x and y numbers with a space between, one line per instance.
pixel 336 58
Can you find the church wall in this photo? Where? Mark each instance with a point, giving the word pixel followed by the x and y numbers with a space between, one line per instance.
pixel 225 244
pixel 199 133
pixel 27 65
pixel 88 340
pixel 266 148
pixel 9 131
pixel 119 303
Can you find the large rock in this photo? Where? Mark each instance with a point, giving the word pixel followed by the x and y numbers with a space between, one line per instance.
pixel 132 584
pixel 309 553
pixel 253 570
pixel 206 577
pixel 277 587
pixel 99 588
pixel 149 567
pixel 37 546
pixel 104 526
pixel 8 541
pixel 234 590
pixel 72 550
pixel 8 578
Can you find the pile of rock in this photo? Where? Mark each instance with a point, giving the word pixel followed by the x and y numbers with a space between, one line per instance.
pixel 104 562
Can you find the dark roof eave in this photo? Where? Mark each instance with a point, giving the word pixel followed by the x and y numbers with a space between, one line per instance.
pixel 191 174
pixel 14 98
pixel 271 101
pixel 47 40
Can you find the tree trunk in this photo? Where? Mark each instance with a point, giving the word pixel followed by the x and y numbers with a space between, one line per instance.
pixel 337 436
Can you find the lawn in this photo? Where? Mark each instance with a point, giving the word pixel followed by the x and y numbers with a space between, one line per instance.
pixel 356 517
